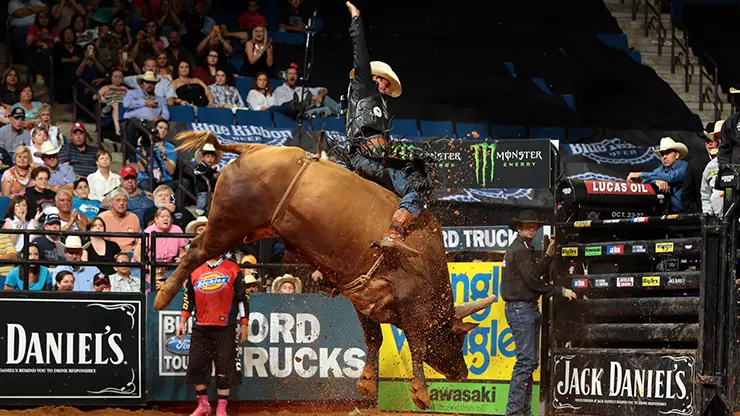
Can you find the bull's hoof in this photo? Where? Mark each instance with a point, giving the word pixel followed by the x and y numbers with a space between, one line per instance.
pixel 421 399
pixel 368 388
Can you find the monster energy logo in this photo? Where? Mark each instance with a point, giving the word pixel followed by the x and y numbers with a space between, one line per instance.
pixel 403 151
pixel 484 155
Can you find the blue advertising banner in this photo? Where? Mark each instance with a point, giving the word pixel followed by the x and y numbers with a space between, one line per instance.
pixel 303 347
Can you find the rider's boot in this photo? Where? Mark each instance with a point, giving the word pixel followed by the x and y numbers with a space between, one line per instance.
pixel 392 240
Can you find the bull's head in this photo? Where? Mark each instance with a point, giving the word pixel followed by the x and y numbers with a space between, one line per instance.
pixel 444 349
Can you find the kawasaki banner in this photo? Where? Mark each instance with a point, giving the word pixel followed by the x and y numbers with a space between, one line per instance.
pixel 489 351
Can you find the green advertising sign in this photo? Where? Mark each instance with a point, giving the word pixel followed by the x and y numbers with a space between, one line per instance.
pixel 593 251
pixel 484 155
pixel 487 398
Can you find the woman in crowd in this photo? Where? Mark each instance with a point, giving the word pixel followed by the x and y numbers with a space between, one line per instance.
pixel 67 56
pixel 28 105
pixel 18 217
pixel 190 91
pixel 9 93
pixel 225 95
pixel 215 41
pixel 155 33
pixel 107 44
pixel 39 196
pixel 125 63
pixel 15 180
pixel 260 97
pixel 40 40
pixel 111 95
pixel 38 136
pixel 65 281
pixel 83 35
pixel 206 72
pixel 168 249
pixel 102 180
pixel 163 70
pixel 286 284
pixel 64 11
pixel 100 249
pixel 259 53
pixel 147 44
pixel 39 277
pixel 72 220
pixel 89 70
pixel 170 16
pixel 122 31
pixel 165 160
pixel 46 121
pixel 81 202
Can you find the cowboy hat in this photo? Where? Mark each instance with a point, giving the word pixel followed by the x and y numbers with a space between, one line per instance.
pixel 148 76
pixel 666 143
pixel 286 278
pixel 526 216
pixel 47 149
pixel 208 148
pixel 192 225
pixel 72 241
pixel 717 129
pixel 384 70
pixel 249 279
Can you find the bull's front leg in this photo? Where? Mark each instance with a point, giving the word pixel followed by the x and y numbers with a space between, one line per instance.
pixel 367 385
pixel 419 392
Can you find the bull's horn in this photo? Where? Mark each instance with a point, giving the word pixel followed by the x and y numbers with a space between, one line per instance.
pixel 469 308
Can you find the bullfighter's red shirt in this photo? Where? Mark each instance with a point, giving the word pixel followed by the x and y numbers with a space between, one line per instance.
pixel 216 292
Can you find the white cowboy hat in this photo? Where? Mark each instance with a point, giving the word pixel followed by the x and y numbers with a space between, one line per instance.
pixel 286 278
pixel 249 279
pixel 384 70
pixel 666 143
pixel 47 149
pixel 148 76
pixel 72 241
pixel 192 225
pixel 208 148
pixel 717 129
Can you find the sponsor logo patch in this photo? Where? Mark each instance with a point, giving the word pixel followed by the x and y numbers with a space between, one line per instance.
pixel 593 251
pixel 601 283
pixel 611 250
pixel 664 247
pixel 650 281
pixel 569 252
pixel 676 281
pixel 639 248
pixel 580 283
pixel 582 224
pixel 625 281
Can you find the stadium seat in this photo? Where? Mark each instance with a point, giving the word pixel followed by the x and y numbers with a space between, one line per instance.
pixel 402 127
pixel 222 116
pixel 237 64
pixel 437 128
pixel 578 132
pixel 284 122
pixel 183 113
pixel 541 84
pixel 570 100
pixel 331 124
pixel 547 133
pixel 510 67
pixel 254 118
pixel 509 132
pixel 244 84
pixel 465 130
pixel 615 40
pixel 4 202
pixel 274 83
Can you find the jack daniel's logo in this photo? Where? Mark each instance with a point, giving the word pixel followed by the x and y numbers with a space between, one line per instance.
pixel 100 348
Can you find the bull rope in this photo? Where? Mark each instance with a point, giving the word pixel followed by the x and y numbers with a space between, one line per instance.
pixel 306 161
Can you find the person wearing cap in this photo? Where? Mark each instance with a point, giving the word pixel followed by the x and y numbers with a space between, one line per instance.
pixel 163 87
pixel 206 173
pixel 84 275
pixel 101 283
pixel 252 285
pixel 14 134
pixel 78 153
pixel 521 288
pixel 138 201
pixel 670 175
pixel 62 176
pixel 691 192
pixel 142 105
pixel 103 180
pixel 50 246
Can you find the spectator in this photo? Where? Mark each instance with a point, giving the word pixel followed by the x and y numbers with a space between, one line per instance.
pixel 225 94
pixel 112 95
pixel 81 202
pixel 154 32
pixel 167 248
pixel 712 201
pixel 138 201
pixel 16 179
pixel 251 18
pixel 668 177
pixel 83 35
pixel 100 249
pixel 691 195
pixel 40 41
pixel 163 164
pixel 259 53
pixel 143 104
pixel 38 278
pixel 14 135
pixel 206 174
pixel 9 92
pixel 78 154
pixel 65 281
pixel 122 281
pixel 176 52
pixel 30 107
pixel 21 15
pixel 190 91
pixel 18 217
pixel 122 32
pixel 108 45
pixel 318 102
pixel 163 70
pixel 164 197
pixel 196 226
pixel 39 136
pixel 194 35
pixel 286 284
pixel 170 16
pixel 72 220
pixel 39 196
pixel 84 275
pixel 89 70
pixel 102 180
pixel 206 72
pixel 162 87
pixel 147 44
pixel 62 176
pixel 252 284
pixel 101 283
pixel 261 98
pixel 215 41
pixel 46 121
pixel 50 246
pixel 199 10
pixel 64 11
pixel 67 56
pixel 118 220
pixel 125 63
pixel 294 17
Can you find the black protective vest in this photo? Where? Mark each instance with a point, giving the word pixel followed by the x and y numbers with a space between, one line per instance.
pixel 367 118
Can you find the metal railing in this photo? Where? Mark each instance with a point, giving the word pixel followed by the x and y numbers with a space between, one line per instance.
pixel 96 115
pixel 710 93
pixel 654 20
pixel 684 53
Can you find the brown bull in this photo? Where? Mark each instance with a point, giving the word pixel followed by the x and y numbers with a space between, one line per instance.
pixel 330 216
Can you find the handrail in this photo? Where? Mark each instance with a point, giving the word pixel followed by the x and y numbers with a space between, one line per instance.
pixel 685 53
pixel 635 8
pixel 125 145
pixel 654 20
pixel 711 92
pixel 182 190
pixel 77 103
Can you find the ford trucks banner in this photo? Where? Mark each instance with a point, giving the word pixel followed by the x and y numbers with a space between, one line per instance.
pixel 489 351
pixel 304 347
pixel 62 350
pixel 625 384
pixel 494 238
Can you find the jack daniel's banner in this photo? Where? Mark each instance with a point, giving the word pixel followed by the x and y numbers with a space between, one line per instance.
pixel 624 384
pixel 71 349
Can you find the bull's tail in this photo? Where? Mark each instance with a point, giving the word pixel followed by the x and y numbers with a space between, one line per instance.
pixel 198 139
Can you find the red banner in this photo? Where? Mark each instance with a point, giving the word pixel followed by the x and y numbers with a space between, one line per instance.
pixel 618 188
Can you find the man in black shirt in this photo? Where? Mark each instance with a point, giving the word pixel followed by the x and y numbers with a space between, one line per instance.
pixel 521 287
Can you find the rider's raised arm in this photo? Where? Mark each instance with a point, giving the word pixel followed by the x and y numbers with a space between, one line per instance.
pixel 363 80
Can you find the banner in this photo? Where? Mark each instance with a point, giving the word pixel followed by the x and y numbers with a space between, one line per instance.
pixel 245 134
pixel 91 354
pixel 493 238
pixel 489 351
pixel 642 384
pixel 304 347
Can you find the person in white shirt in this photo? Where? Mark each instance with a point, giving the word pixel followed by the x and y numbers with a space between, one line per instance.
pixel 163 87
pixel 712 200
pixel 102 180
pixel 122 281
pixel 260 97
pixel 320 102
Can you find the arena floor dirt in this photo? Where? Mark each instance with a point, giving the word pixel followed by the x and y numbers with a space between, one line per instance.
pixel 243 410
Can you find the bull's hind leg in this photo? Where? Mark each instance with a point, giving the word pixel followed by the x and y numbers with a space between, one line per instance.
pixel 419 392
pixel 367 385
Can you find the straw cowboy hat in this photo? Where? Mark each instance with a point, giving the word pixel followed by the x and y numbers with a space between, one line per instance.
pixel 666 143
pixel 47 149
pixel 249 279
pixel 72 241
pixel 384 70
pixel 717 129
pixel 526 216
pixel 286 278
pixel 208 148
pixel 192 225
pixel 148 76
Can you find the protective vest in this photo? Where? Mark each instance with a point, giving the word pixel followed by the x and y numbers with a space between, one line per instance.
pixel 367 117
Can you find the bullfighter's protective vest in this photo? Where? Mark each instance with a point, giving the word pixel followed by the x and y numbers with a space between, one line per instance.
pixel 367 118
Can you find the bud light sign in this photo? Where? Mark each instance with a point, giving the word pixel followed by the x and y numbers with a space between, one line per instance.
pixel 71 351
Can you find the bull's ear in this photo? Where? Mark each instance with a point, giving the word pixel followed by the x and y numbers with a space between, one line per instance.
pixel 461 327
